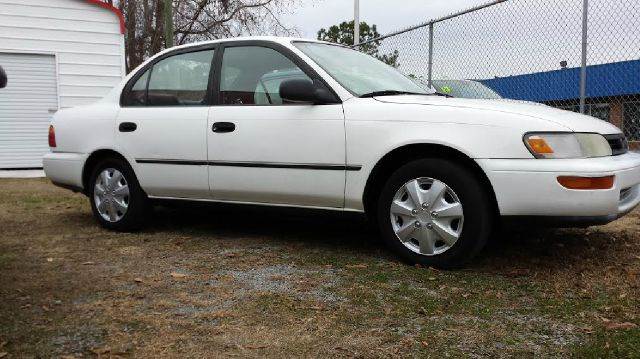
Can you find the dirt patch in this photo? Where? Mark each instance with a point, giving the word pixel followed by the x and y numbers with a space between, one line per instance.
pixel 287 280
pixel 200 282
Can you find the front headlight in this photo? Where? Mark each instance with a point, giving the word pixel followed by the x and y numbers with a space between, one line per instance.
pixel 567 145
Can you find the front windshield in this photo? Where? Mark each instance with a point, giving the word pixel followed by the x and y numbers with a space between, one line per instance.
pixel 359 73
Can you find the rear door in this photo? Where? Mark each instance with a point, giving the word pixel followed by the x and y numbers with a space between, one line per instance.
pixel 162 124
pixel 262 149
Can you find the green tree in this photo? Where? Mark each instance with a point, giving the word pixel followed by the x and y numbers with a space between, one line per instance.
pixel 343 34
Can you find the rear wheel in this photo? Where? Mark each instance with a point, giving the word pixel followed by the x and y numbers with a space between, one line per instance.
pixel 117 201
pixel 434 212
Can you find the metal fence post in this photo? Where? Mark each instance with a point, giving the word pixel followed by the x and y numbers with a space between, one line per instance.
pixel 583 68
pixel 430 68
pixel 356 22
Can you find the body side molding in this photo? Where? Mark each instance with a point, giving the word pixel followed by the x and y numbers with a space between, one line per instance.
pixel 309 166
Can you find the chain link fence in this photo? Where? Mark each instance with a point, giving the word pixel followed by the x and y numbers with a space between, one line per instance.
pixel 533 50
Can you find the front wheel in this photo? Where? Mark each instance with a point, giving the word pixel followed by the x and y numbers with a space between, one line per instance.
pixel 434 212
pixel 117 201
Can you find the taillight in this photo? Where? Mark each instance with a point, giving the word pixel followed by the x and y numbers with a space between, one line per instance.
pixel 52 136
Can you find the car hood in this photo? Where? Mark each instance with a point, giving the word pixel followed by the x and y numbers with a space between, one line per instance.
pixel 570 120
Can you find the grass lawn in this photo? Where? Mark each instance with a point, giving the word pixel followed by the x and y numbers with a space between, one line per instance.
pixel 213 281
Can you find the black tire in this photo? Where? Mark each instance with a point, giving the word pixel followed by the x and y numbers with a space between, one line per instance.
pixel 477 210
pixel 139 205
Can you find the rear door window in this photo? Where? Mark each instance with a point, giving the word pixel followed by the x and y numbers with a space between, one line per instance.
pixel 180 80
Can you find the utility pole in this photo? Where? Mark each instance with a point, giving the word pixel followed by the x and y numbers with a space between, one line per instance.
pixel 356 22
pixel 168 23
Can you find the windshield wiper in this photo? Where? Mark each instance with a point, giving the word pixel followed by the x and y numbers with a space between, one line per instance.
pixel 441 94
pixel 390 93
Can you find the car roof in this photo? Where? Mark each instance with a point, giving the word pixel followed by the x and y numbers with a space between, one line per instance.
pixel 276 39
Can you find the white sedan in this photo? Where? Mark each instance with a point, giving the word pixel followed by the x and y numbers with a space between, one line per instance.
pixel 292 122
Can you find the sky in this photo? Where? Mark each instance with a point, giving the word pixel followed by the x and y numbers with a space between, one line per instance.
pixel 388 15
pixel 511 38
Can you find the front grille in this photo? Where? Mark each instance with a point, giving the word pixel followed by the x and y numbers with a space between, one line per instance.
pixel 618 143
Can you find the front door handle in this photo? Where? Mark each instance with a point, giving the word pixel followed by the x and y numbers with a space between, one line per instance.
pixel 127 127
pixel 222 127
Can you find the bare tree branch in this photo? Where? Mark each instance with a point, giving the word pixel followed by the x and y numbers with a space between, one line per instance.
pixel 198 20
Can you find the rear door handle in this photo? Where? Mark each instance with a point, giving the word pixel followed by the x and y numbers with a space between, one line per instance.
pixel 222 127
pixel 127 127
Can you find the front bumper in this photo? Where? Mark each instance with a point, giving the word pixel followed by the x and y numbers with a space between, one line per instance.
pixel 65 169
pixel 529 187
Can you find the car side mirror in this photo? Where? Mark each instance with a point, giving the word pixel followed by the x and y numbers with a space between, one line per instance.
pixel 305 91
pixel 3 78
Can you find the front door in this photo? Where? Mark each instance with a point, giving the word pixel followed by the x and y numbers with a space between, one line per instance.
pixel 162 125
pixel 263 150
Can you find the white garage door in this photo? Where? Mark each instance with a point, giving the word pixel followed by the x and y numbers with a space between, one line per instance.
pixel 26 106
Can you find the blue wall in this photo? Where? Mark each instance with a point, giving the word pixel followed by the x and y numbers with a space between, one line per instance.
pixel 615 79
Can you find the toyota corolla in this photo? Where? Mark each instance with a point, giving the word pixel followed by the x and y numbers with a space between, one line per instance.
pixel 291 122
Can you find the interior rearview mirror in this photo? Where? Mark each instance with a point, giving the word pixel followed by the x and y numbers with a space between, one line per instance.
pixel 305 91
pixel 3 78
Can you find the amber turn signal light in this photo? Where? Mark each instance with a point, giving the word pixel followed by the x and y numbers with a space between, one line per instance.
pixel 539 145
pixel 587 183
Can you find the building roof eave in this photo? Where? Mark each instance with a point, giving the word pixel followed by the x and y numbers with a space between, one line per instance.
pixel 113 9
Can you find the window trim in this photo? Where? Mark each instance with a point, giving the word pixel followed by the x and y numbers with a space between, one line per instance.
pixel 213 90
pixel 149 67
pixel 281 49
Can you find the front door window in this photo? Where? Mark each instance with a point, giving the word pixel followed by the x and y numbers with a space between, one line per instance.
pixel 251 75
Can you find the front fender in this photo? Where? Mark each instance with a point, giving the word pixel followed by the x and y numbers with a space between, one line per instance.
pixel 374 129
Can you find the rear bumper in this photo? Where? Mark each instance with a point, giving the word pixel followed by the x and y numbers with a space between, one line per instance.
pixel 529 188
pixel 65 169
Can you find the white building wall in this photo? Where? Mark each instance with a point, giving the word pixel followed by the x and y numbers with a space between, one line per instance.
pixel 86 40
